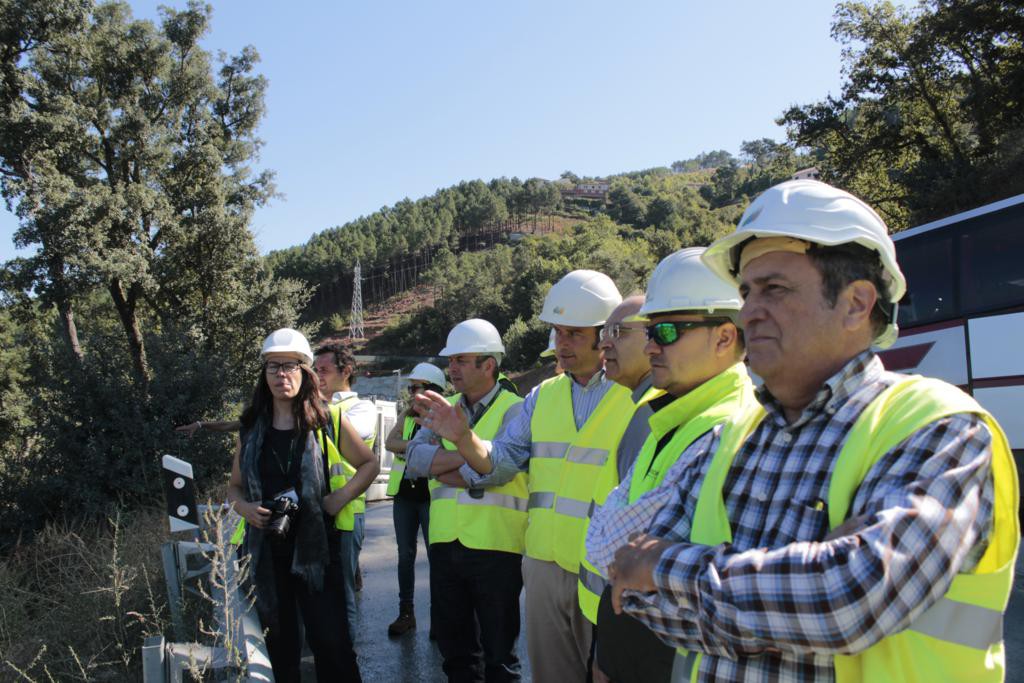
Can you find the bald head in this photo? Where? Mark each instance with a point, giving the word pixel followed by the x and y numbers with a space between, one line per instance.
pixel 623 344
pixel 630 306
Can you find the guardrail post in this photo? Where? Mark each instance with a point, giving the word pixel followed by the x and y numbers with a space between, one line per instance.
pixel 154 664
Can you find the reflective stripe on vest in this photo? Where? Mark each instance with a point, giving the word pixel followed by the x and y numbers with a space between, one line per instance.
pixel 565 464
pixel 344 405
pixel 497 519
pixel 589 587
pixel 690 417
pixel 398 463
pixel 959 638
pixel 488 497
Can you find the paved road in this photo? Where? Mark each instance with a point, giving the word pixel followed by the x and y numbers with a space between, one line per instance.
pixel 414 659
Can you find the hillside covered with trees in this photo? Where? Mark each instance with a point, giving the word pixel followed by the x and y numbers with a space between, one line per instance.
pixel 436 240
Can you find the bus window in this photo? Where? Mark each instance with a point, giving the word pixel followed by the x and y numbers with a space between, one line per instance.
pixel 992 269
pixel 927 263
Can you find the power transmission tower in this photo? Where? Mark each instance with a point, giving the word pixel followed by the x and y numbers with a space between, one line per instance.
pixel 355 325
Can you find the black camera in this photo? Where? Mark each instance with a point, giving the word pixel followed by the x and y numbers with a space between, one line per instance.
pixel 283 507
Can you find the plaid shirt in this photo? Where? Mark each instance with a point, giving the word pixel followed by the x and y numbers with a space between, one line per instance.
pixel 780 600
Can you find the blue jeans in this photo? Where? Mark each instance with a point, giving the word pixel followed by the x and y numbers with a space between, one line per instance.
pixel 351 544
pixel 409 517
pixel 475 611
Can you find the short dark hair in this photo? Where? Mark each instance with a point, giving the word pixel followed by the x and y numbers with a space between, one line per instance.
pixel 843 264
pixel 480 361
pixel 343 357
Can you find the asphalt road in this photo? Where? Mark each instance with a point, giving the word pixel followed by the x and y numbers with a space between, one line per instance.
pixel 413 658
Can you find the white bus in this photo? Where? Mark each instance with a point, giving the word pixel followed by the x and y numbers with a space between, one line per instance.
pixel 962 319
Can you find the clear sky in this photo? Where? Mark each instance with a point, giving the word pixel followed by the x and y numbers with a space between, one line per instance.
pixel 371 102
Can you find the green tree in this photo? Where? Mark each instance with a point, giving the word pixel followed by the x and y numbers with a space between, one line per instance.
pixel 931 115
pixel 128 158
pixel 128 161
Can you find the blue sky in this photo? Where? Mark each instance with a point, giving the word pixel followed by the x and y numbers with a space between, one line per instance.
pixel 371 102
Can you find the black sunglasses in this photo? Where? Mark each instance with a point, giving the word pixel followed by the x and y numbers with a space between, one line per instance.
pixel 667 333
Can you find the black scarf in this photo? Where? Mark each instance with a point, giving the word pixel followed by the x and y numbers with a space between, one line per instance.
pixel 311 555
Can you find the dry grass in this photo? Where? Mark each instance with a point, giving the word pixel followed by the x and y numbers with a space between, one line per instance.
pixel 76 603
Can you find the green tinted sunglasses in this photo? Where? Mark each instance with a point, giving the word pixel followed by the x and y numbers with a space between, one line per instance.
pixel 666 333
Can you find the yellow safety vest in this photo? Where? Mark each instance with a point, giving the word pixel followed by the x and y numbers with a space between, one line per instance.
pixel 691 416
pixel 497 519
pixel 336 465
pixel 959 638
pixel 359 503
pixel 564 466
pixel 398 464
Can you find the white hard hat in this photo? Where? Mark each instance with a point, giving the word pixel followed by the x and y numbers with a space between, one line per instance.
pixel 473 336
pixel 550 351
pixel 583 298
pixel 287 340
pixel 815 212
pixel 681 282
pixel 429 373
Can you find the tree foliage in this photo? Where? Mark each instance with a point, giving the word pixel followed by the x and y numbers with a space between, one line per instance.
pixel 703 161
pixel 128 158
pixel 507 285
pixel 930 120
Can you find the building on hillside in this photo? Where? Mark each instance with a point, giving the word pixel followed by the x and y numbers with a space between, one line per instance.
pixel 811 173
pixel 587 189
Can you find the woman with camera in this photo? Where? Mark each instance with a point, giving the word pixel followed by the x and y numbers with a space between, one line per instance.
pixel 286 487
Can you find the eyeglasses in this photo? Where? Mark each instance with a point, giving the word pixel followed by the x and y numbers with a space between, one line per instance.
pixel 667 333
pixel 417 387
pixel 615 331
pixel 289 367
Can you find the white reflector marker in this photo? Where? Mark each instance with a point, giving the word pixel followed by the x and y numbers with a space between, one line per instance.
pixel 180 492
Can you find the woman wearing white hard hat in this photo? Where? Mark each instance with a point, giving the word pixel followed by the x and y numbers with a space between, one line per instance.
pixel 282 484
pixel 411 509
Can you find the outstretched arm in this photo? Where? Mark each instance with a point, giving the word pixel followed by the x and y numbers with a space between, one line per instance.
pixel 191 428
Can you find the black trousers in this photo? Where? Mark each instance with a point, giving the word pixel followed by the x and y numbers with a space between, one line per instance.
pixel 323 616
pixel 627 651
pixel 475 611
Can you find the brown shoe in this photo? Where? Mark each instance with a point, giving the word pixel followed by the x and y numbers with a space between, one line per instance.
pixel 405 622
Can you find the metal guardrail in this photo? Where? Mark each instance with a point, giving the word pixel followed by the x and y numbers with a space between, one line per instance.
pixel 239 651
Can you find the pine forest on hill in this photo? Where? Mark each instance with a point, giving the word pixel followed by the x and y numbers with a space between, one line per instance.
pixel 492 249
pixel 129 154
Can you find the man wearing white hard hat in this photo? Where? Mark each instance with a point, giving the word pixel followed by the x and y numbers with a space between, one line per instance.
pixel 855 524
pixel 476 535
pixel 695 352
pixel 411 508
pixel 565 433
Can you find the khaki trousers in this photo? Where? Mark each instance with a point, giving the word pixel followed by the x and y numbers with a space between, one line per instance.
pixel 557 634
